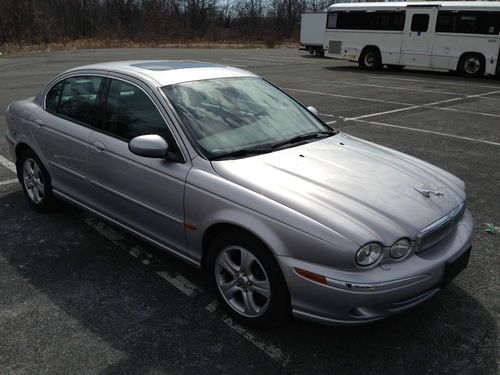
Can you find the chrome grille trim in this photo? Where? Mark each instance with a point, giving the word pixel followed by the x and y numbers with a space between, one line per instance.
pixel 435 232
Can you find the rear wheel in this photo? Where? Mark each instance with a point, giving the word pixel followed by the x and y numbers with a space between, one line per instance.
pixel 370 59
pixel 247 280
pixel 35 181
pixel 320 52
pixel 472 65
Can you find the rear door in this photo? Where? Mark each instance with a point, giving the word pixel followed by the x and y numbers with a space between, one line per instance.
pixel 145 194
pixel 62 127
pixel 418 36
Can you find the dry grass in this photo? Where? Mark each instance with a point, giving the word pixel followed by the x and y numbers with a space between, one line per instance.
pixel 13 48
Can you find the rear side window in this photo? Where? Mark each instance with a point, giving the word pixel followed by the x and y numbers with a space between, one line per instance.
pixel 468 22
pixel 420 22
pixel 74 98
pixel 130 112
pixel 388 20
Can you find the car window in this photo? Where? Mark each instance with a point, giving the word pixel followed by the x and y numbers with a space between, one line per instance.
pixel 130 112
pixel 420 22
pixel 74 98
pixel 230 114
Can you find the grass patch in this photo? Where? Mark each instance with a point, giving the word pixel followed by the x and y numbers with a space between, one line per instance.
pixel 13 48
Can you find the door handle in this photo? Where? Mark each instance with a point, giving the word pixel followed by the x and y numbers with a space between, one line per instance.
pixel 99 146
pixel 39 123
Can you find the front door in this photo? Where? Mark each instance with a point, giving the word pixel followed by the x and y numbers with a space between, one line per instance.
pixel 418 36
pixel 145 194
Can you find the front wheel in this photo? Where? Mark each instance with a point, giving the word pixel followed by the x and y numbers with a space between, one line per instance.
pixel 248 281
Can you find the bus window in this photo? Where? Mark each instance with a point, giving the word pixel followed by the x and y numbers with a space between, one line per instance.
pixel 468 22
pixel 420 22
pixel 366 20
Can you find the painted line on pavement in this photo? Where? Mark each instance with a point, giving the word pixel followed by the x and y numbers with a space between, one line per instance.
pixel 8 182
pixel 429 132
pixel 186 287
pixel 457 83
pixel 422 106
pixel 271 350
pixel 180 282
pixel 8 164
pixel 346 96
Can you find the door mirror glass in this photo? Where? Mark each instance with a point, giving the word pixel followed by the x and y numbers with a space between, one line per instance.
pixel 150 146
pixel 313 110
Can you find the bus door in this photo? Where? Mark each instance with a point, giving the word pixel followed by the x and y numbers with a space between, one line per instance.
pixel 418 35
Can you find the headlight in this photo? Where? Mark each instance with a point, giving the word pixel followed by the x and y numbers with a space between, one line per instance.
pixel 368 254
pixel 400 248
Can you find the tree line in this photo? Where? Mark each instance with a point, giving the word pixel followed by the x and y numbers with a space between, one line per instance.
pixel 48 21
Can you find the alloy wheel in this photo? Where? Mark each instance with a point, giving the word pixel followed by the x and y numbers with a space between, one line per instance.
pixel 33 180
pixel 242 281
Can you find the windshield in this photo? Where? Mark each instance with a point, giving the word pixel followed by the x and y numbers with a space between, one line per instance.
pixel 229 115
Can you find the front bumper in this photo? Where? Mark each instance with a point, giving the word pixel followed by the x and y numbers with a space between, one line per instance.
pixel 365 295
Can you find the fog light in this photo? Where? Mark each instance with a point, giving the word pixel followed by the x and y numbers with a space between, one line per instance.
pixel 368 254
pixel 400 248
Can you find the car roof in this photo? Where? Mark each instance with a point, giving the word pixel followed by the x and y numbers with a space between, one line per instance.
pixel 168 72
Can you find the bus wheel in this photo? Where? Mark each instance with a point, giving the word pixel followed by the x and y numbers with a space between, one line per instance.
pixel 370 59
pixel 472 65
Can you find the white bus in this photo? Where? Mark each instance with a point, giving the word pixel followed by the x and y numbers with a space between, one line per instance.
pixel 454 35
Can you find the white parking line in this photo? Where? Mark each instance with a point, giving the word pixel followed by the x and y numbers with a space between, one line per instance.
pixel 429 132
pixel 395 88
pixel 8 182
pixel 180 282
pixel 427 105
pixel 408 106
pixel 345 96
pixel 186 287
pixel 8 164
pixel 467 84
pixel 271 350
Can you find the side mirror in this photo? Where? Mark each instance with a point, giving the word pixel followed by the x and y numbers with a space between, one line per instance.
pixel 149 146
pixel 313 110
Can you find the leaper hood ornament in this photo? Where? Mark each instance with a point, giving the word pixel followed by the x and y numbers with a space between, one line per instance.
pixel 427 193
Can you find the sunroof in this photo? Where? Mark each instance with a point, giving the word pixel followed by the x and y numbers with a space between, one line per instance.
pixel 169 65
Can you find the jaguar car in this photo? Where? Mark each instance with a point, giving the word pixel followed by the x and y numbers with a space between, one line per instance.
pixel 285 215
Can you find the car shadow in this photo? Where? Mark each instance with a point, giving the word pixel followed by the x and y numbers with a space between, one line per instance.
pixel 69 294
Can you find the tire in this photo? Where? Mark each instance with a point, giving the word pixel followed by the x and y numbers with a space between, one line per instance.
pixel 320 52
pixel 370 59
pixel 472 65
pixel 247 280
pixel 36 182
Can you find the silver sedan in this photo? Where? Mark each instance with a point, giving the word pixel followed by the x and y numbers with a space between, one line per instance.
pixel 217 166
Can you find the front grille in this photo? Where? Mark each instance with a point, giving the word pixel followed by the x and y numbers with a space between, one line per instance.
pixel 437 231
pixel 334 47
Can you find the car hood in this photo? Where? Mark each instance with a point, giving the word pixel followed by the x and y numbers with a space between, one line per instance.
pixel 364 191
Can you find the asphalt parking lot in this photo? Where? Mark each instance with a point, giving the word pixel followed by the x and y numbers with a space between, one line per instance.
pixel 78 296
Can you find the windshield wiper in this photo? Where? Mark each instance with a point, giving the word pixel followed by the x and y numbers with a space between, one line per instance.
pixel 304 137
pixel 242 152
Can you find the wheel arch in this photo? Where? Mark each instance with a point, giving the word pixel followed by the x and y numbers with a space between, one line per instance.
pixel 20 148
pixel 219 228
